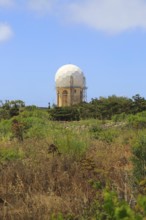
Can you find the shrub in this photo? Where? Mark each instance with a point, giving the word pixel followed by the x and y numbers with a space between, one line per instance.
pixel 64 114
pixel 139 157
pixel 109 207
pixel 137 121
pixel 4 114
pixel 119 117
pixel 108 135
pixel 104 134
pixel 17 129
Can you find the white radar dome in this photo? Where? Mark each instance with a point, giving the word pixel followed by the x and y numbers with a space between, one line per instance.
pixel 69 75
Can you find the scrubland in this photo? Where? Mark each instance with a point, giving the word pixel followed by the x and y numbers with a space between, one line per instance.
pixel 97 169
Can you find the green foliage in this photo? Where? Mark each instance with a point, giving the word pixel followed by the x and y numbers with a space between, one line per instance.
pixel 119 117
pixel 111 208
pixel 139 157
pixel 109 135
pixel 4 114
pixel 5 129
pixel 137 121
pixel 64 114
pixel 104 134
pixel 65 171
pixel 17 129
pixel 142 204
pixel 99 108
pixel 69 141
pixel 31 124
pixel 36 123
pixel 126 213
pixel 95 184
pixel 112 107
pixel 110 202
pixel 31 107
pixel 107 107
pixel 32 111
pixel 10 154
pixel 95 129
pixel 138 105
pixel 57 217
pixel 11 108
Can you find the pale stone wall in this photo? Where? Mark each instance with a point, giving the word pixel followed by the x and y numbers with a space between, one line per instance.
pixel 69 96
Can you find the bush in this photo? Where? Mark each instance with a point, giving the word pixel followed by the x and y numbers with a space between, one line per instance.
pixel 104 134
pixel 139 157
pixel 4 114
pixel 64 114
pixel 137 121
pixel 119 117
pixel 18 129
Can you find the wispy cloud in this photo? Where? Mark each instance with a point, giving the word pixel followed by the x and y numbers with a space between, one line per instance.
pixel 5 32
pixel 112 16
pixel 6 3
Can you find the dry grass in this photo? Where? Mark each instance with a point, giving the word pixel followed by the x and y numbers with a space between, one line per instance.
pixel 40 184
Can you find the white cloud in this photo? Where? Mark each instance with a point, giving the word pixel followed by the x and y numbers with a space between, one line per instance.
pixel 112 16
pixel 41 6
pixel 5 32
pixel 6 3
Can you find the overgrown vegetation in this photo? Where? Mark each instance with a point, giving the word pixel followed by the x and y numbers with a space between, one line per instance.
pixel 86 162
pixel 101 108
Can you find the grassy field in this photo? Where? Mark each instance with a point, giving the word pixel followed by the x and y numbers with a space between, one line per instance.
pixel 86 169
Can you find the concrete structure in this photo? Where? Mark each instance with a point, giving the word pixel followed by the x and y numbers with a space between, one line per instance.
pixel 70 85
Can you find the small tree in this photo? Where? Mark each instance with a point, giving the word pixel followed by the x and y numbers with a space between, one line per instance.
pixel 13 107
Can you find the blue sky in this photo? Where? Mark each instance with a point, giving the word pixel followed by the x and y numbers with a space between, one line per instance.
pixel 105 38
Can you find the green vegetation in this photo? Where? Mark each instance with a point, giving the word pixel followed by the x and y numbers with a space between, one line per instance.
pixel 101 108
pixel 139 157
pixel 81 162
pixel 64 114
pixel 10 154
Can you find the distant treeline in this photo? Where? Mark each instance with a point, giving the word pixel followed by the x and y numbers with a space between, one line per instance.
pixel 101 108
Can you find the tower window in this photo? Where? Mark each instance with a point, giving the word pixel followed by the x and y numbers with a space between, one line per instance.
pixel 64 97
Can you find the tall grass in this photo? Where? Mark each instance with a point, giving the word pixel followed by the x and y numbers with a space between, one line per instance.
pixel 94 157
